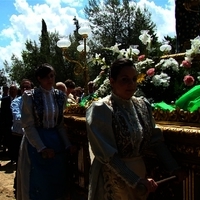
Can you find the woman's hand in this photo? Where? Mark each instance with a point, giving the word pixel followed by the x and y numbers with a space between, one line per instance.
pixel 149 184
pixel 48 153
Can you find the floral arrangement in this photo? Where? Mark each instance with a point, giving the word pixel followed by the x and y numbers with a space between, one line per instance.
pixel 165 80
pixel 191 53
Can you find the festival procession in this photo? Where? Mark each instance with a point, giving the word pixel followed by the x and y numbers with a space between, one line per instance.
pixel 102 108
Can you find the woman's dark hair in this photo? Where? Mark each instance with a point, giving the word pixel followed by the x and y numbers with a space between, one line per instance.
pixel 43 70
pixel 118 65
pixel 70 84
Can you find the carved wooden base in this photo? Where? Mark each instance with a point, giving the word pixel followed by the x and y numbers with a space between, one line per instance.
pixel 183 140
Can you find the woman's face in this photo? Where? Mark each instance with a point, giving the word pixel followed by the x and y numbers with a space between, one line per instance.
pixel 48 81
pixel 126 83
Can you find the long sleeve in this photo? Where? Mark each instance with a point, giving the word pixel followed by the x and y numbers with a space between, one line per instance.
pixel 16 110
pixel 27 119
pixel 16 113
pixel 102 141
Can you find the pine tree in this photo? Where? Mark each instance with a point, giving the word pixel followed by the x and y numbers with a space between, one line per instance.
pixel 35 54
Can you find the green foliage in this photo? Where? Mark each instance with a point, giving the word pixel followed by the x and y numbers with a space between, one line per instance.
pixel 3 79
pixel 112 21
pixel 118 22
pixel 35 54
pixel 46 51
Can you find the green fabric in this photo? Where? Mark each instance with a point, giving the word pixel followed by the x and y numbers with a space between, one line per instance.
pixel 190 100
pixel 87 99
pixel 194 105
pixel 163 106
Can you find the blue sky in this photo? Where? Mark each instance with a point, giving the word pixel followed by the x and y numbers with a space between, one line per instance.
pixel 21 20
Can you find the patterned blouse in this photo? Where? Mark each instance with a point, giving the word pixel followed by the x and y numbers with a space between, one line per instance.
pixel 43 109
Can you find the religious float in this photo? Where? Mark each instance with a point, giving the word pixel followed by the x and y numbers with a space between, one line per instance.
pixel 172 85
pixel 181 129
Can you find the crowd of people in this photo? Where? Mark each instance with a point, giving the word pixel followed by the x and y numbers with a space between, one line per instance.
pixel 120 128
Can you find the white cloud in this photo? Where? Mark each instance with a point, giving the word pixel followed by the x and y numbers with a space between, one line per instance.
pixel 163 17
pixel 26 24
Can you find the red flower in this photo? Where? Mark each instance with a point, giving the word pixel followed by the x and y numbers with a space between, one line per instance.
pixel 141 58
pixel 188 80
pixel 150 72
pixel 186 63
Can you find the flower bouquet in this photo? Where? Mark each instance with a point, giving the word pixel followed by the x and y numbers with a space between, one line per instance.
pixel 164 80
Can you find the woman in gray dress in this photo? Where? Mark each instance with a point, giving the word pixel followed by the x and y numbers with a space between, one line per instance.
pixel 120 128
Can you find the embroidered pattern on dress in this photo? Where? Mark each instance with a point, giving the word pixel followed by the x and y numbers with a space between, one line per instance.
pixel 125 143
pixel 38 106
pixel 112 183
pixel 145 119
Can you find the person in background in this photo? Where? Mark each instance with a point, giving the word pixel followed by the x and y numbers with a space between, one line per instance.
pixel 42 162
pixel 17 129
pixel 128 131
pixel 70 88
pixel 61 86
pixel 90 96
pixel 91 88
pixel 77 93
pixel 5 91
pixel 7 120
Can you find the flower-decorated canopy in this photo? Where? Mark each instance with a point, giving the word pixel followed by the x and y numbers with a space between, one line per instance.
pixel 163 80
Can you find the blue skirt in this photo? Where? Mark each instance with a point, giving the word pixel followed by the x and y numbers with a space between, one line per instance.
pixel 48 180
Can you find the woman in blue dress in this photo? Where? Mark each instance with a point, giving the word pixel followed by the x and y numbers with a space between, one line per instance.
pixel 42 158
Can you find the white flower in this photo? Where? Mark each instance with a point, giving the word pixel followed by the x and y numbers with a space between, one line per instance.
pixel 195 49
pixel 189 58
pixel 131 52
pixel 198 77
pixel 145 38
pixel 195 45
pixel 95 81
pixel 165 47
pixel 115 48
pixel 97 60
pixel 104 89
pixel 168 63
pixel 145 64
pixel 97 56
pixel 161 80
pixel 121 52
